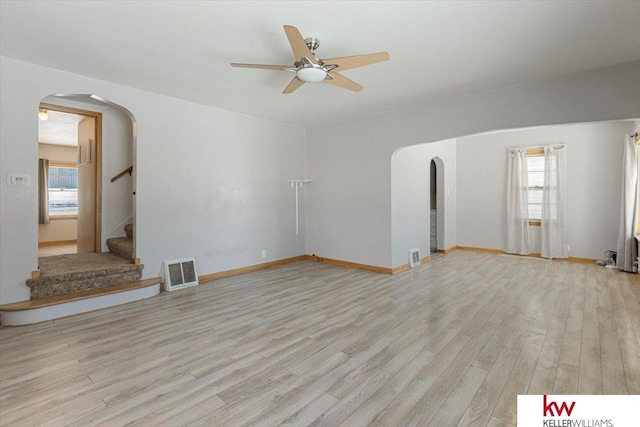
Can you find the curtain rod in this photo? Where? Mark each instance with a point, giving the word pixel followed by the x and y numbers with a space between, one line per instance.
pixel 537 147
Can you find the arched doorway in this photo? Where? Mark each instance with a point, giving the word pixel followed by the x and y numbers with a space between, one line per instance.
pixel 69 170
pixel 111 152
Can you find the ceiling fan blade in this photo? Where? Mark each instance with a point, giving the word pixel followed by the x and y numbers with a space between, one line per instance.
pixel 348 62
pixel 265 67
pixel 299 47
pixel 342 81
pixel 293 85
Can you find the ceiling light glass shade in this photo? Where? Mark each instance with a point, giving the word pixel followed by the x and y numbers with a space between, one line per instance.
pixel 43 115
pixel 311 74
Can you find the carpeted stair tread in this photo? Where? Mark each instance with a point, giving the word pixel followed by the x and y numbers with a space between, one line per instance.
pixel 121 246
pixel 79 263
pixel 64 274
pixel 128 229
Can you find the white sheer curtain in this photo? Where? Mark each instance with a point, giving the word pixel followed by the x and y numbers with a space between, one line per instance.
pixel 627 249
pixel 518 239
pixel 553 229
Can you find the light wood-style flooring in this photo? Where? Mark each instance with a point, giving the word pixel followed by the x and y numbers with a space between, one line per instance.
pixel 452 342
pixel 61 249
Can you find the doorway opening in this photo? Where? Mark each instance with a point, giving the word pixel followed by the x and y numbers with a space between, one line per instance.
pixel 70 180
pixel 433 217
pixel 437 205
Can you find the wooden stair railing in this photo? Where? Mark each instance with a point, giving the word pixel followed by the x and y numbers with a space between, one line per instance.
pixel 129 170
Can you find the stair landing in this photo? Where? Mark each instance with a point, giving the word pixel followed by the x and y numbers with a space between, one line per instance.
pixel 66 274
pixel 54 307
pixel 77 283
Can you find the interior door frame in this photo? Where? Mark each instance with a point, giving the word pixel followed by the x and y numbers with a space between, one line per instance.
pixel 98 156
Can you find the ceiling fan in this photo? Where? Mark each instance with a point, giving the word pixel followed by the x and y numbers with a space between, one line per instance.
pixel 309 69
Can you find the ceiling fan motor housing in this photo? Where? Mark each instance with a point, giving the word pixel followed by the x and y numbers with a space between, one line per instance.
pixel 312 43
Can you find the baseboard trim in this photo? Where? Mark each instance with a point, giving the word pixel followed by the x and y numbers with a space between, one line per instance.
pixel 406 266
pixel 533 255
pixel 57 243
pixel 448 250
pixel 349 264
pixel 475 249
pixel 250 268
pixel 400 268
pixel 577 259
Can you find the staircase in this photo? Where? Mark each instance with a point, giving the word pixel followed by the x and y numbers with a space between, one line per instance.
pixel 122 246
pixel 76 283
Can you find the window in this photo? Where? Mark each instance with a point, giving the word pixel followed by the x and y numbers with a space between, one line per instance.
pixel 535 174
pixel 63 190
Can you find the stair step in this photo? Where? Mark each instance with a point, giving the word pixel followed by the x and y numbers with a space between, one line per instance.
pixel 128 229
pixel 54 307
pixel 121 246
pixel 72 273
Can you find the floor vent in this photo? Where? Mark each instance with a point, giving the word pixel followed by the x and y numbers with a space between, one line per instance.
pixel 180 273
pixel 414 257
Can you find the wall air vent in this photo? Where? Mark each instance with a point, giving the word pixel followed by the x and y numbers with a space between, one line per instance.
pixel 414 257
pixel 180 273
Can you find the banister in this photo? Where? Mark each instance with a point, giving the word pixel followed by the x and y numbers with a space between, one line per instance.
pixel 129 169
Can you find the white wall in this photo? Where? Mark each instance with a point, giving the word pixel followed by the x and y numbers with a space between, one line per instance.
pixel 349 203
pixel 117 155
pixel 210 183
pixel 594 159
pixel 410 201
pixel 58 153
pixel 58 229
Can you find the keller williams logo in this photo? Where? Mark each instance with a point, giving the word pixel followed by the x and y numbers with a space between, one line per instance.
pixel 548 408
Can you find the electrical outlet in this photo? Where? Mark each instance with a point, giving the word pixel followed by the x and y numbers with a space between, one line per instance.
pixel 568 248
pixel 264 253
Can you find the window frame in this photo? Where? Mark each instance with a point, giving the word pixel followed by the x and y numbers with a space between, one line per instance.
pixel 534 153
pixel 63 164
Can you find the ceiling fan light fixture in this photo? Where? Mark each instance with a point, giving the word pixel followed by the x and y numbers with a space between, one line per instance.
pixel 311 74
pixel 43 115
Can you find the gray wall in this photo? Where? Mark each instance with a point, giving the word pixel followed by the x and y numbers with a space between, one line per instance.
pixel 349 203
pixel 594 177
pixel 210 183
pixel 410 198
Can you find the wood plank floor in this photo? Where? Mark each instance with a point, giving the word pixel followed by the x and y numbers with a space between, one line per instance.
pixel 452 342
pixel 61 249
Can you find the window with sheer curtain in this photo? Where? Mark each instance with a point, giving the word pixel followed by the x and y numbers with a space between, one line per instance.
pixel 627 244
pixel 553 231
pixel 535 175
pixel 536 195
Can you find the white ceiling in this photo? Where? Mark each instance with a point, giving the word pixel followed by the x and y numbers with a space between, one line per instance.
pixel 438 49
pixel 59 128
